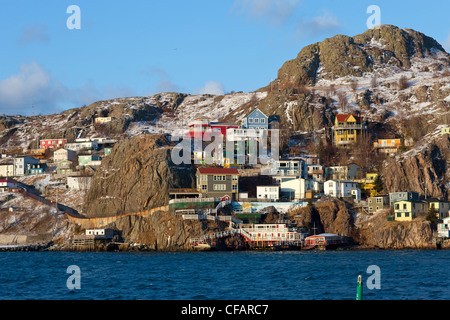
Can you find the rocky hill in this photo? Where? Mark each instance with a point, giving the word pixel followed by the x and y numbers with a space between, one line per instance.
pixel 135 177
pixel 398 80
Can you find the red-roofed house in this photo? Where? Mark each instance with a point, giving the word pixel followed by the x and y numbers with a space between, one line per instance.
pixel 347 129
pixel 218 182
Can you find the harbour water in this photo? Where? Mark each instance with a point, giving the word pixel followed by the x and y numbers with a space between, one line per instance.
pixel 250 275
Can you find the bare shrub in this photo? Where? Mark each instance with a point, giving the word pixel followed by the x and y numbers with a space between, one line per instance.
pixel 403 83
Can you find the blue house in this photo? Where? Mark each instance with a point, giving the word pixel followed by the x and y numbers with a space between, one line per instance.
pixel 37 168
pixel 256 120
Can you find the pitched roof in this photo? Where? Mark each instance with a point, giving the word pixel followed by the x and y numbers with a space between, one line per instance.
pixel 344 117
pixel 256 110
pixel 218 171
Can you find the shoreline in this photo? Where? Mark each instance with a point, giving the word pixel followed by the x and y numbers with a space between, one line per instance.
pixel 50 247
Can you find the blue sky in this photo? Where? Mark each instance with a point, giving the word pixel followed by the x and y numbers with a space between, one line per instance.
pixel 140 48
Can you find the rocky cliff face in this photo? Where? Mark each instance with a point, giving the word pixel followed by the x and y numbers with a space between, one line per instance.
pixel 378 231
pixel 135 177
pixel 163 231
pixel 334 216
pixel 331 216
pixel 421 170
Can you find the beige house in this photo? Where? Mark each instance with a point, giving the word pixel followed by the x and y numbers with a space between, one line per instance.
pixel 7 170
pixel 350 172
pixel 64 155
pixel 102 120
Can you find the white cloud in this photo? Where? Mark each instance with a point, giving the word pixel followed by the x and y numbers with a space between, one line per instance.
pixel 447 44
pixel 211 87
pixel 30 86
pixel 34 33
pixel 323 24
pixel 276 11
pixel 34 86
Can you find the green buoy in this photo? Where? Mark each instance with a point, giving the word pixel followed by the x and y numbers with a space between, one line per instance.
pixel 359 288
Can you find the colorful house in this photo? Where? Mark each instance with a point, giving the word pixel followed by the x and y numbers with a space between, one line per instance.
pixel 37 153
pixel 221 127
pixel 445 130
pixel 399 196
pixel 376 203
pixel 408 210
pixel 388 146
pixel 53 143
pixel 218 182
pixel 84 160
pixel 37 168
pixel 198 127
pixel 256 120
pixel 347 129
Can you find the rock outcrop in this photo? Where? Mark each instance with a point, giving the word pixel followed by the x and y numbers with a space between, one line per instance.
pixel 342 56
pixel 377 231
pixel 136 176
pixel 423 171
pixel 331 216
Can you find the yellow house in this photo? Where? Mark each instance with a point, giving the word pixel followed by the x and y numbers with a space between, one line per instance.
pixel 368 184
pixel 346 129
pixel 408 210
pixel 445 130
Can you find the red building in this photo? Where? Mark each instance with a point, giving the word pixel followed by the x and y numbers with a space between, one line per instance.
pixel 203 128
pixel 222 127
pixel 198 127
pixel 53 143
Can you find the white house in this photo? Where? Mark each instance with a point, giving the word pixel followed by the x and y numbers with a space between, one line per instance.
pixel 296 189
pixel 342 188
pixel 100 233
pixel 444 228
pixel 22 165
pixel 82 144
pixel 271 193
pixel 79 182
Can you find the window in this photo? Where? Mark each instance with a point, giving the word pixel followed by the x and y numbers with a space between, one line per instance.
pixel 406 214
pixel 234 187
pixel 404 206
pixel 256 120
pixel 219 178
pixel 379 200
pixel 399 215
pixel 263 120
pixel 250 120
pixel 204 177
pixel 397 206
pixel 235 178
pixel 219 187
pixel 204 187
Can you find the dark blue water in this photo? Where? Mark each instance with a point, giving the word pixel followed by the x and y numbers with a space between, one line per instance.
pixel 330 275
